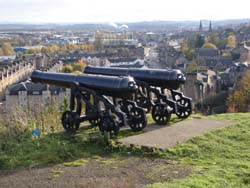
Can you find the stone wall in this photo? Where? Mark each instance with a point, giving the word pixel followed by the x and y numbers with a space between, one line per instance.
pixel 35 102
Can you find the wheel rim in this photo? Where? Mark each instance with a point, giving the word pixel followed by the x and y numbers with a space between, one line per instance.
pixel 160 114
pixel 184 108
pixel 70 121
pixel 109 125
pixel 138 120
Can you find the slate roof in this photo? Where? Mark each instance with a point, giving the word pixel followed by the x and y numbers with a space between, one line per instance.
pixel 118 60
pixel 34 88
pixel 207 52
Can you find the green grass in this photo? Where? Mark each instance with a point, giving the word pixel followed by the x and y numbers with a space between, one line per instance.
pixel 220 158
pixel 46 150
pixel 18 148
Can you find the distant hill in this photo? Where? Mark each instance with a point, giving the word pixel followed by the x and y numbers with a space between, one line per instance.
pixel 140 26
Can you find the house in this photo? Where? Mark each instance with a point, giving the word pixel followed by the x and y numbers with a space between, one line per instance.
pixel 233 73
pixel 206 53
pixel 202 84
pixel 34 97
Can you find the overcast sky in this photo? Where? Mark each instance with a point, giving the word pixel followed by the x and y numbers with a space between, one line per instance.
pixel 79 11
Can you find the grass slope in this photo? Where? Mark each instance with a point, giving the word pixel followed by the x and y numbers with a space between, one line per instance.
pixel 220 158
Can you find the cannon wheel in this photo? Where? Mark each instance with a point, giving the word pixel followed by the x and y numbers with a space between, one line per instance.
pixel 70 121
pixel 142 102
pixel 184 108
pixel 138 119
pixel 108 124
pixel 95 122
pixel 160 114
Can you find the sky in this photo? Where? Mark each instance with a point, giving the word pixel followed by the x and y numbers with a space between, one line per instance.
pixel 82 11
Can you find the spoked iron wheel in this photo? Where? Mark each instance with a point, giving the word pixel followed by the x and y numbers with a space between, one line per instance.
pixel 70 121
pixel 141 101
pixel 184 108
pixel 137 119
pixel 108 124
pixel 160 114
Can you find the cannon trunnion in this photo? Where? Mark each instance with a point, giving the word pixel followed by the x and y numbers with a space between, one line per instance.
pixel 151 93
pixel 93 93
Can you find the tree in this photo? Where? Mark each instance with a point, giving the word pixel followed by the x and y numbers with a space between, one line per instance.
pixel 193 67
pixel 239 100
pixel 63 48
pixel 231 41
pixel 213 38
pixel 79 65
pixel 209 45
pixel 199 41
pixel 7 49
pixel 54 48
pixel 189 54
pixel 67 69
pixel 222 44
pixel 187 51
pixel 73 47
pixel 33 51
pixel 45 50
pixel 98 45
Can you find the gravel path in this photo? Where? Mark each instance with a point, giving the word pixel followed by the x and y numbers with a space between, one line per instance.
pixel 130 172
pixel 170 136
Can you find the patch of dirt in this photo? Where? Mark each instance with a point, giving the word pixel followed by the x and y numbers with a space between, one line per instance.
pixel 101 172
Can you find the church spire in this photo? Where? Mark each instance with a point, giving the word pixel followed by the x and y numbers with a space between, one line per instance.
pixel 210 26
pixel 200 28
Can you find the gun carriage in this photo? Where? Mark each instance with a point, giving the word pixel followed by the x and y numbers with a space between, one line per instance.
pixel 154 82
pixel 96 92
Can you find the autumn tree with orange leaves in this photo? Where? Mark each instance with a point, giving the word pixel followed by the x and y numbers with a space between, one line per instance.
pixel 239 100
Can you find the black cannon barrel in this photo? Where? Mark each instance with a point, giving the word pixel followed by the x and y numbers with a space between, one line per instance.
pixel 104 85
pixel 170 79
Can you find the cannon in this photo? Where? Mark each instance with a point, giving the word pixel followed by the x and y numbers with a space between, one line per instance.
pixel 154 82
pixel 96 92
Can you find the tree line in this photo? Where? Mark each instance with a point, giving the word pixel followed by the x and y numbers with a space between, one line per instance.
pixel 7 49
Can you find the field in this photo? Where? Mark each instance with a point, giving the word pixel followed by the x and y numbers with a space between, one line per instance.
pixel 217 159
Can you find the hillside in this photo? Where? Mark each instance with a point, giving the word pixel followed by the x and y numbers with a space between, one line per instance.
pixel 217 159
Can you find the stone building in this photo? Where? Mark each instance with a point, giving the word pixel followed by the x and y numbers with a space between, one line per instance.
pixel 211 59
pixel 14 73
pixel 18 70
pixel 233 74
pixel 28 96
pixel 200 85
pixel 167 55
